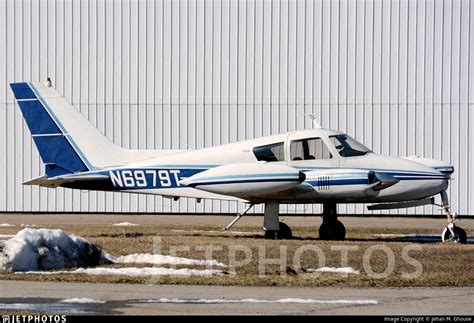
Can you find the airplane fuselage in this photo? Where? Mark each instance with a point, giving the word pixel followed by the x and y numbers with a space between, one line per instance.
pixel 162 175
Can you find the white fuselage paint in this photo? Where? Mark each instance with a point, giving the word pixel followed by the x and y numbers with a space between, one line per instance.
pixel 418 178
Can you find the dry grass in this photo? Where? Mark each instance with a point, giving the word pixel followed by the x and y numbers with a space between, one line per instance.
pixel 442 264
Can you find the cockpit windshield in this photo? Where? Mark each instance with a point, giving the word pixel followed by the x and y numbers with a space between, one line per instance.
pixel 348 146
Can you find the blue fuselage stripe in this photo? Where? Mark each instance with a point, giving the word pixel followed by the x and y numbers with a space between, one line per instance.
pixel 336 182
pixel 246 181
pixel 247 176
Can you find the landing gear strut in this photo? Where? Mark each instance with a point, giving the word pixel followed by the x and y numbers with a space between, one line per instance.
pixel 451 232
pixel 274 229
pixel 331 228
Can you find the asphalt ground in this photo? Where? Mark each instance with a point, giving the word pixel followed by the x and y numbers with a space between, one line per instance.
pixel 133 299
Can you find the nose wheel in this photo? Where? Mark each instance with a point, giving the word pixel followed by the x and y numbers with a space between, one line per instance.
pixel 454 234
pixel 451 233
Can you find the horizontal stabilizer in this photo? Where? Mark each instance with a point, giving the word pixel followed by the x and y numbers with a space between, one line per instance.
pixel 53 182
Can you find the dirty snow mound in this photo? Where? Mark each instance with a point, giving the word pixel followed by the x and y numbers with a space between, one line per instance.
pixel 44 249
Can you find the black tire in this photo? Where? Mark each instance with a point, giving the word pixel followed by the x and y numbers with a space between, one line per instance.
pixel 272 235
pixel 460 235
pixel 332 230
pixel 283 233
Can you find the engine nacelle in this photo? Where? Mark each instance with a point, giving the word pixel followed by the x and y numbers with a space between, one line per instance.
pixel 348 183
pixel 246 179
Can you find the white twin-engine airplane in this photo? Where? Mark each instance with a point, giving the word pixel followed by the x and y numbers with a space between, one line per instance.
pixel 307 166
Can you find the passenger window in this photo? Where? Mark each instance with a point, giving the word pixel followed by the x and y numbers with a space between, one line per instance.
pixel 270 153
pixel 307 149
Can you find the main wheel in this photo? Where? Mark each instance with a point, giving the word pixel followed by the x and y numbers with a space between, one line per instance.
pixel 283 233
pixel 332 230
pixel 460 235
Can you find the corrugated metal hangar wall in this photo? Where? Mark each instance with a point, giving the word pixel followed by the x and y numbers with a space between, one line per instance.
pixel 397 75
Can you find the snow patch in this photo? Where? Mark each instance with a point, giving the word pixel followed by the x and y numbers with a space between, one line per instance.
pixel 218 232
pixel 82 301
pixel 45 249
pixel 6 236
pixel 156 259
pixel 263 301
pixel 125 224
pixel 342 270
pixel 6 225
pixel 133 272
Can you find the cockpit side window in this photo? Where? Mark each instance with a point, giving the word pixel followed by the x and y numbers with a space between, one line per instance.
pixel 270 153
pixel 348 146
pixel 307 149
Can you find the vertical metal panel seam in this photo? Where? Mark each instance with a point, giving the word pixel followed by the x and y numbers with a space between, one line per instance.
pixel 468 170
pixel 22 126
pixel 6 106
pixel 288 56
pixel 279 100
pixel 321 61
pixel 270 80
pixel 31 77
pixel 459 102
pixel 313 101
pixel 296 56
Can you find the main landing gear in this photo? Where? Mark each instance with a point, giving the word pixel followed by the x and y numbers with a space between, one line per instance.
pixel 331 228
pixel 452 232
pixel 274 229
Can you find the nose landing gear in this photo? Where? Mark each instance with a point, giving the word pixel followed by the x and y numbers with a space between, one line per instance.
pixel 452 232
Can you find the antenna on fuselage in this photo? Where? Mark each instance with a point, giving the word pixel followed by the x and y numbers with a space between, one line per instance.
pixel 316 124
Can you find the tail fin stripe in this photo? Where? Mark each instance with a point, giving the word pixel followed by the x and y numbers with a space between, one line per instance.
pixel 79 151
pixel 37 118
pixel 47 108
pixel 59 124
pixel 22 91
